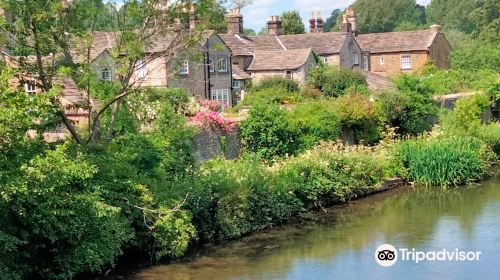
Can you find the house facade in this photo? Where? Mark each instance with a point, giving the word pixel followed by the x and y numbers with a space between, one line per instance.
pixel 334 48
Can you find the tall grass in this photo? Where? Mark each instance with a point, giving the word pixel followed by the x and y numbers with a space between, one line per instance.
pixel 447 161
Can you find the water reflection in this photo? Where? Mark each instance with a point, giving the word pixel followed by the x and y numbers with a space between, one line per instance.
pixel 341 243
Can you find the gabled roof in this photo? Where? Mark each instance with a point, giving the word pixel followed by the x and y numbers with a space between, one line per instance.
pixel 320 43
pixel 396 41
pixel 279 59
pixel 246 45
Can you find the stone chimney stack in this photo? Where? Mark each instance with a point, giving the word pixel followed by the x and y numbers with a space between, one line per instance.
pixel 352 19
pixel 312 24
pixel 274 26
pixel 319 23
pixel 192 17
pixel 235 22
pixel 436 28
pixel 346 25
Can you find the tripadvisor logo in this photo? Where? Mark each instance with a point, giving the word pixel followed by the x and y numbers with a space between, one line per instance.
pixel 387 255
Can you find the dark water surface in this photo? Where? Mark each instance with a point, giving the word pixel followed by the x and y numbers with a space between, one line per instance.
pixel 341 243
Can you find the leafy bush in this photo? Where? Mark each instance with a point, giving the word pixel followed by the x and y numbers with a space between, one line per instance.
pixel 274 95
pixel 314 121
pixel 335 81
pixel 448 161
pixel 362 116
pixel 266 131
pixel 465 119
pixel 410 112
pixel 275 83
pixel 475 55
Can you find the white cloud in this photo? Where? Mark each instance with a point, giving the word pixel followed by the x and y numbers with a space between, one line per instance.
pixel 257 14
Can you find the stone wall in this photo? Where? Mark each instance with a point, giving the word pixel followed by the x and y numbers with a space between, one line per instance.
pixel 211 144
pixel 392 63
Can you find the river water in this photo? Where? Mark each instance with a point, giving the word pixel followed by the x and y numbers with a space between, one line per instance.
pixel 341 243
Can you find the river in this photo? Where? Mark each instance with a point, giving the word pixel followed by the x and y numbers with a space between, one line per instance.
pixel 341 243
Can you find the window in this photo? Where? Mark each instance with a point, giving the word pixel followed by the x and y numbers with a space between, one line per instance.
pixel 222 65
pixel 184 67
pixel 405 62
pixel 324 59
pixel 29 88
pixel 236 84
pixel 366 65
pixel 288 74
pixel 106 74
pixel 221 95
pixel 382 60
pixel 356 59
pixel 140 69
pixel 211 67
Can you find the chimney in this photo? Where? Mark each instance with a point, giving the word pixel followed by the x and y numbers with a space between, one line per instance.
pixel 319 23
pixel 274 26
pixel 346 25
pixel 352 19
pixel 192 17
pixel 235 22
pixel 312 24
pixel 436 28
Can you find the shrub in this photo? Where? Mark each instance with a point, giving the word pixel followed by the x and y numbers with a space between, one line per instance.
pixel 274 95
pixel 335 81
pixel 465 119
pixel 411 113
pixel 276 83
pixel 448 161
pixel 314 121
pixel 266 131
pixel 359 114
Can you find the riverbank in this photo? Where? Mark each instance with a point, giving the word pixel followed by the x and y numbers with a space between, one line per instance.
pixel 329 243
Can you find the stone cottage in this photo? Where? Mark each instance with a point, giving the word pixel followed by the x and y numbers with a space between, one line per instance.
pixel 335 48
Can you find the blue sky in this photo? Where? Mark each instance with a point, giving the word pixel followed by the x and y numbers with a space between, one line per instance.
pixel 256 15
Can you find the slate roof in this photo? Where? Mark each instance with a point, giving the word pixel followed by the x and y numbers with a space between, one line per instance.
pixel 396 41
pixel 320 43
pixel 279 59
pixel 239 74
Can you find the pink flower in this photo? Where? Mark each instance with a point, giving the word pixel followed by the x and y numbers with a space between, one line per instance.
pixel 213 120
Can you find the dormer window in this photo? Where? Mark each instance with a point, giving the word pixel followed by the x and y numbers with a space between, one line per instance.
pixel 106 74
pixel 30 88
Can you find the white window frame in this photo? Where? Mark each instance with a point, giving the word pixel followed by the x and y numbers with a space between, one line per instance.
pixel 382 60
pixel 324 59
pixel 106 72
pixel 222 65
pixel 30 88
pixel 184 70
pixel 406 62
pixel 221 95
pixel 289 74
pixel 356 58
pixel 141 70
pixel 236 84
pixel 211 66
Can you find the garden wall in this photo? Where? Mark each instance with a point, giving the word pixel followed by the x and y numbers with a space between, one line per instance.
pixel 208 144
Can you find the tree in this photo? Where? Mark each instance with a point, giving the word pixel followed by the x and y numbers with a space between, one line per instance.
pixel 452 14
pixel 486 21
pixel 47 30
pixel 262 31
pixel 292 23
pixel 249 32
pixel 331 21
pixel 386 15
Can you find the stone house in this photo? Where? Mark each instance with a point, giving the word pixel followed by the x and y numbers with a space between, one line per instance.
pixel 335 48
pixel 393 53
pixel 203 70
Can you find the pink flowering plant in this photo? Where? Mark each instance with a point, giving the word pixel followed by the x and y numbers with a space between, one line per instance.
pixel 209 118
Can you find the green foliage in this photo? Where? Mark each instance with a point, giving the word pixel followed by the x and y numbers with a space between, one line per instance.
pixel 285 84
pixel 331 21
pixel 362 116
pixel 465 119
pixel 449 161
pixel 266 131
pixel 334 81
pixel 474 55
pixel 249 32
pixel 386 15
pixel 486 21
pixel 314 121
pixel 292 23
pixel 276 95
pixel 452 14
pixel 410 112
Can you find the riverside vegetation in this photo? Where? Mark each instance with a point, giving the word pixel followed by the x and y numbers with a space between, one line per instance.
pixel 72 207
